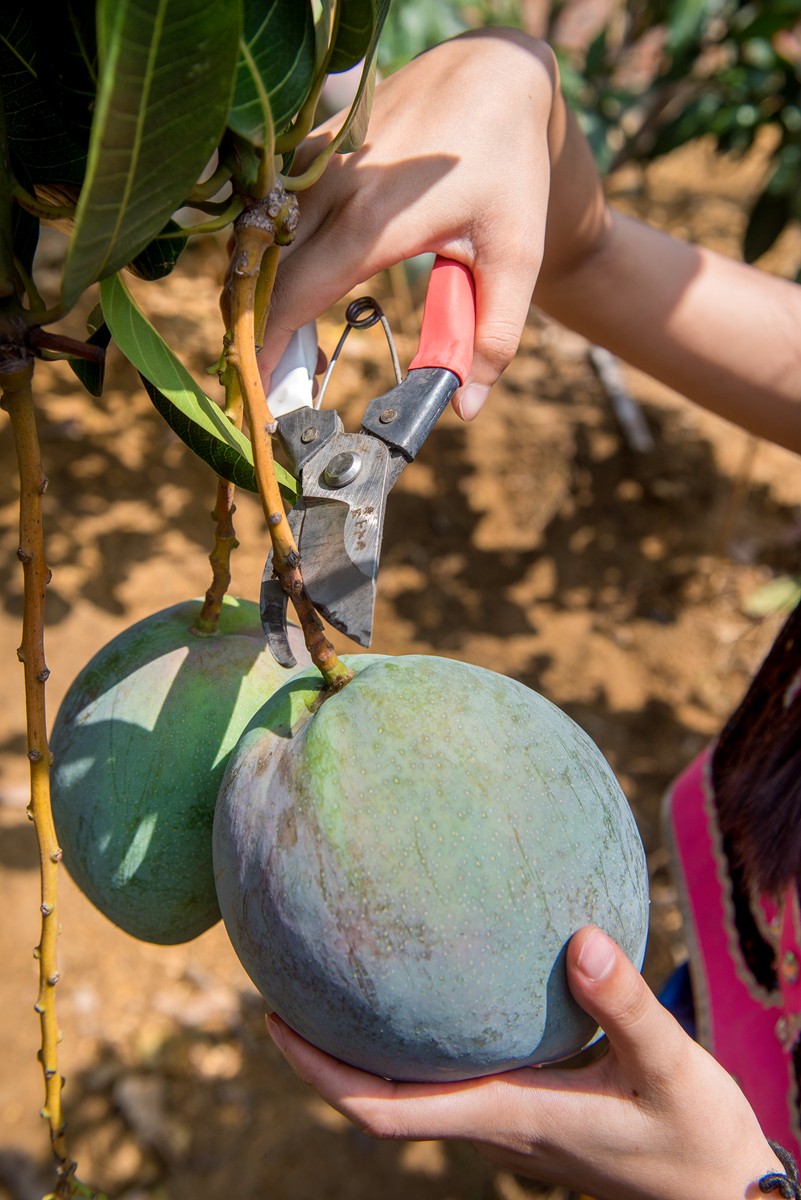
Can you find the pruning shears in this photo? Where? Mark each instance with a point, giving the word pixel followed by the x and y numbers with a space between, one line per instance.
pixel 345 478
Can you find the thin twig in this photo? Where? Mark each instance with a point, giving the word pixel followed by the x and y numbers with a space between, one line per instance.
pixel 225 540
pixel 17 400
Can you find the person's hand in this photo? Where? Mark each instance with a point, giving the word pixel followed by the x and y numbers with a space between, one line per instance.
pixel 458 161
pixel 656 1118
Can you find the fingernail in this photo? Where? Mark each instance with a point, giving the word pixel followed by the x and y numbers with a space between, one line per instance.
pixel 471 400
pixel 597 956
pixel 275 1031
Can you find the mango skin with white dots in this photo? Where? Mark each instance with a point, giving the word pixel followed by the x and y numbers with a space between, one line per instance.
pixel 401 866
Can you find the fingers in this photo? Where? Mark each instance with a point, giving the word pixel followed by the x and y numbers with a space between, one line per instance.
pixel 503 298
pixel 384 1109
pixel 645 1037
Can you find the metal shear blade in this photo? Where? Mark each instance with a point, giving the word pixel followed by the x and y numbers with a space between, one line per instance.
pixel 345 478
pixel 338 525
pixel 344 495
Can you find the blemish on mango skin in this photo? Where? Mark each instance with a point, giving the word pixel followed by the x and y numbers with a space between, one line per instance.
pixel 450 830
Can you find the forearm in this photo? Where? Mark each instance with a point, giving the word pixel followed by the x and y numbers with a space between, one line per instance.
pixel 723 334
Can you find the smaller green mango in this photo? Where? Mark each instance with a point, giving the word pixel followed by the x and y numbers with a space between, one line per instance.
pixel 140 745
pixel 400 866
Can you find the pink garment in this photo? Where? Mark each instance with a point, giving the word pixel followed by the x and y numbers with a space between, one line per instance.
pixel 751 1030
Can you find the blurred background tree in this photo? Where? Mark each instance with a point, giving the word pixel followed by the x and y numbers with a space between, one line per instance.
pixel 648 76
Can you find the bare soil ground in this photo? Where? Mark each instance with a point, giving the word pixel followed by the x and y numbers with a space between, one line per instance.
pixel 534 542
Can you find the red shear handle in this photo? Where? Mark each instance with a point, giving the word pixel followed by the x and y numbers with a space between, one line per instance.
pixel 449 320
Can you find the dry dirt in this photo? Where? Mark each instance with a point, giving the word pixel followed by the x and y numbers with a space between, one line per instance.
pixel 534 542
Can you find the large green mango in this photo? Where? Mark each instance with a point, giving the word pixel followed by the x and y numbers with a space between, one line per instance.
pixel 401 866
pixel 140 744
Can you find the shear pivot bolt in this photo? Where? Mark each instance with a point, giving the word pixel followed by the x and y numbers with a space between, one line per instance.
pixel 342 469
pixel 308 435
pixel 389 414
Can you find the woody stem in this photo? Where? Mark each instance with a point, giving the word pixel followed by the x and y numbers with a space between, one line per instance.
pixel 17 400
pixel 225 542
pixel 252 240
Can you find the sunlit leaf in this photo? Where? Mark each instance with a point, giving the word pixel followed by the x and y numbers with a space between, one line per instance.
pixel 196 419
pixel 781 594
pixel 165 83
pixel 279 35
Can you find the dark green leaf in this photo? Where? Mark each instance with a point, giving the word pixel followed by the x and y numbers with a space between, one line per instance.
pixel 197 420
pixel 25 227
pixel 38 141
pixel 166 76
pixel 279 35
pixel 95 320
pixel 160 256
pixel 66 56
pixel 92 374
pixel 595 61
pixel 692 122
pixel 357 23
pixel 768 218
pixel 359 110
pixel 764 20
pixel 7 271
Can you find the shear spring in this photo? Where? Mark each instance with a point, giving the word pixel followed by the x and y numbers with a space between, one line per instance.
pixel 362 313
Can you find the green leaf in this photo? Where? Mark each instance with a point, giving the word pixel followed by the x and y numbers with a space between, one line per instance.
pixel 781 594
pixel 355 124
pixel 357 21
pixel 92 374
pixel 196 419
pixel 595 61
pixel 357 130
pixel 166 76
pixel 66 57
pixel 159 256
pixel 279 35
pixel 39 144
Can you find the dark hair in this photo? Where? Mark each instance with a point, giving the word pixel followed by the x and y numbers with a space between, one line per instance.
pixel 756 769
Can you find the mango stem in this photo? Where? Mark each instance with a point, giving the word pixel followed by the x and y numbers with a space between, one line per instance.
pixel 258 229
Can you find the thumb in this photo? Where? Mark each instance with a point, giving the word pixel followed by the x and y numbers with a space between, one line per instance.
pixel 643 1034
